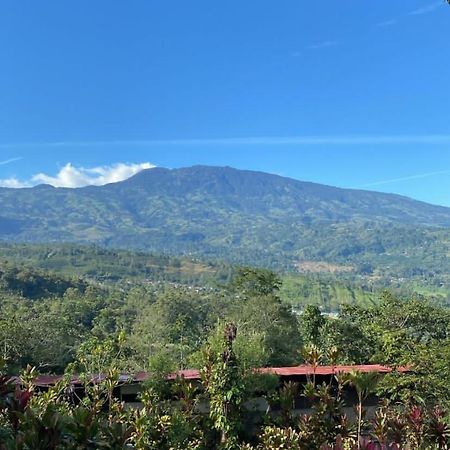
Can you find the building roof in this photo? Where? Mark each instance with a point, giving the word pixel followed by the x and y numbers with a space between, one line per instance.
pixel 193 374
pixel 307 370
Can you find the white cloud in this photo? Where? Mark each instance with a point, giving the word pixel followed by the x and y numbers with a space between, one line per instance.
pixel 426 9
pixel 13 183
pixel 71 176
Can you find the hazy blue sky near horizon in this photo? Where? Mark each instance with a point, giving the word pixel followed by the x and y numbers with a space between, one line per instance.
pixel 348 93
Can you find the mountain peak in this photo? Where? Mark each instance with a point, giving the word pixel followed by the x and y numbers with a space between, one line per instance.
pixel 211 210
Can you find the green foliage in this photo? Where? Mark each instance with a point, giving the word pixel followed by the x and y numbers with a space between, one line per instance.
pixel 251 282
pixel 94 263
pixel 222 377
pixel 98 331
pixel 157 426
pixel 50 420
pixel 276 324
pixel 34 284
pixel 274 438
pixel 34 334
pixel 60 265
pixel 364 384
pixel 325 291
pixel 176 323
pixel 236 216
pixel 311 323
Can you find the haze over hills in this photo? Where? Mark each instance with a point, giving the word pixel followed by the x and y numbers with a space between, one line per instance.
pixel 238 216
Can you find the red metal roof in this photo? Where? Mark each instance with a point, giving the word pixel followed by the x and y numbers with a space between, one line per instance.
pixel 307 370
pixel 192 374
pixel 188 374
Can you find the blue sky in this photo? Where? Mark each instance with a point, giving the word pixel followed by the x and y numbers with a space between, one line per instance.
pixel 348 93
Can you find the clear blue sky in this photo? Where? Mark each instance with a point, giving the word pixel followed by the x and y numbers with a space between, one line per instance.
pixel 349 93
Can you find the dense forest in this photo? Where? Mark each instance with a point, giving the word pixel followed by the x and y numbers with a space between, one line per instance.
pixel 316 284
pixel 246 218
pixel 55 323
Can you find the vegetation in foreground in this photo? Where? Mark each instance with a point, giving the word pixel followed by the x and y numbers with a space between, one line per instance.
pixel 170 420
pixel 68 325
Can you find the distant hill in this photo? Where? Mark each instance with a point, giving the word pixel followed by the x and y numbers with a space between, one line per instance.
pixel 35 271
pixel 105 266
pixel 239 216
pixel 34 283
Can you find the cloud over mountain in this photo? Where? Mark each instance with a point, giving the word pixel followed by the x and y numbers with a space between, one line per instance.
pixel 72 176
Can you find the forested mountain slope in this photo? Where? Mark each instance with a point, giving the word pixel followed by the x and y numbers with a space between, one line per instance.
pixel 238 216
pixel 36 270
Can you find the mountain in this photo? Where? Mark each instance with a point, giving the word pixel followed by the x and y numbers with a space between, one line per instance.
pixel 239 216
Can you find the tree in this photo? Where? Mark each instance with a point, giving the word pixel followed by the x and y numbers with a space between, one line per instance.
pixel 275 322
pixel 255 282
pixel 223 381
pixel 355 345
pixel 177 323
pixel 311 323
pixel 364 384
pixel 389 331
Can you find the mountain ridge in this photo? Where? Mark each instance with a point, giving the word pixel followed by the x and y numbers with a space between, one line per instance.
pixel 163 170
pixel 240 216
pixel 144 172
pixel 257 184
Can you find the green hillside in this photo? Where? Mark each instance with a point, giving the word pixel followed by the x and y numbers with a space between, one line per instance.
pixel 49 269
pixel 242 217
pixel 107 266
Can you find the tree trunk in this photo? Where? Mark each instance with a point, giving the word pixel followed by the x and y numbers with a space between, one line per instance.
pixel 359 421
